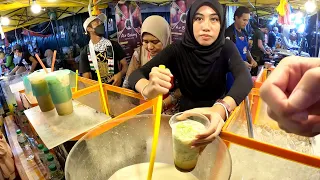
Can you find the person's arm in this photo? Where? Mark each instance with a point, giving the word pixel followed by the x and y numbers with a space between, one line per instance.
pixel 242 78
pixel 34 63
pixel 14 70
pixel 261 46
pixel 134 64
pixel 84 65
pixel 138 80
pixel 251 60
pixel 172 99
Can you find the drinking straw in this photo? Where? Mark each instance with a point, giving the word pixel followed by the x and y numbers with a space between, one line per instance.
pixel 41 63
pixel 76 89
pixel 53 60
pixel 102 93
pixel 156 132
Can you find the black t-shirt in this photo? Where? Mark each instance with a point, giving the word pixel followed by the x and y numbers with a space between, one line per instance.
pixel 104 58
pixel 258 35
pixel 26 62
pixel 214 87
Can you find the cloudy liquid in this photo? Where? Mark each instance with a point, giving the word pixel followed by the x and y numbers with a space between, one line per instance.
pixel 161 171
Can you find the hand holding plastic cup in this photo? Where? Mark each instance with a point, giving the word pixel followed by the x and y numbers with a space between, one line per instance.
pixel 60 90
pixel 183 133
pixel 40 90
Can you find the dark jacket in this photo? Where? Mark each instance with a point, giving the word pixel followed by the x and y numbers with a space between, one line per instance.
pixel 229 33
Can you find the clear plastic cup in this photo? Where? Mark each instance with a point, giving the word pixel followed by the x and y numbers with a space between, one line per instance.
pixel 183 133
pixel 41 91
pixel 60 90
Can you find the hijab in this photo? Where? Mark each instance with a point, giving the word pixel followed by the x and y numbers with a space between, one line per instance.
pixel 159 28
pixel 205 55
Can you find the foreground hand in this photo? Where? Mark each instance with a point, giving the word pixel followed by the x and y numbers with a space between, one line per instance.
pixel 293 95
pixel 117 79
pixel 216 124
pixel 159 82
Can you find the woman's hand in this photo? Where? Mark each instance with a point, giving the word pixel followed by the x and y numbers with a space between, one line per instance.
pixel 216 124
pixel 159 83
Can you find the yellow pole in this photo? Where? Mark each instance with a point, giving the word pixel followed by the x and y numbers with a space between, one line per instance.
pixel 102 93
pixel 76 89
pixel 156 132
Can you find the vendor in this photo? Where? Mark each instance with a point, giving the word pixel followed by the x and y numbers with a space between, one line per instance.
pixel 200 63
pixel 237 33
pixel 258 48
pixel 109 55
pixel 26 62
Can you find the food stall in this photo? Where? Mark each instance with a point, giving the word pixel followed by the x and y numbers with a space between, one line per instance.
pixel 113 127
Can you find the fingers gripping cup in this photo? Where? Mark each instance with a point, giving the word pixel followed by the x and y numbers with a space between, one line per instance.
pixel 41 91
pixel 60 90
pixel 183 133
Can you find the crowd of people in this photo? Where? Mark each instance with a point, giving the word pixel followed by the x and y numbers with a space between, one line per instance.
pixel 207 72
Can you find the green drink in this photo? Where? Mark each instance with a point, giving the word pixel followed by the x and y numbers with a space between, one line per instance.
pixel 41 91
pixel 183 133
pixel 59 87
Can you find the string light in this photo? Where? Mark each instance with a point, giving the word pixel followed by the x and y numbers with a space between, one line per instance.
pixel 310 6
pixel 5 21
pixel 35 7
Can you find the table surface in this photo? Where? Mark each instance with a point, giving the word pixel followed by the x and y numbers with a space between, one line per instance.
pixel 55 130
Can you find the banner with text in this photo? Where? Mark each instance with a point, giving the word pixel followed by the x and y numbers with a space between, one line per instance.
pixel 129 21
pixel 178 19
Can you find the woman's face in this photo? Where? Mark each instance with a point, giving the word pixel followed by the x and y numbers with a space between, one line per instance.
pixel 151 44
pixel 206 26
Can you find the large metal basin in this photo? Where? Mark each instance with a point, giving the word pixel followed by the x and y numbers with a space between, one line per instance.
pixel 99 157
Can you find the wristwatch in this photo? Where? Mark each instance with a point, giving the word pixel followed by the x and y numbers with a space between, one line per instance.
pixel 225 105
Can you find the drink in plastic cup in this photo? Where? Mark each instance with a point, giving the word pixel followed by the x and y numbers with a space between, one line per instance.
pixel 183 133
pixel 59 87
pixel 41 91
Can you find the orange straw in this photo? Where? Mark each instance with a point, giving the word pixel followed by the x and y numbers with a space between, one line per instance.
pixel 41 63
pixel 53 60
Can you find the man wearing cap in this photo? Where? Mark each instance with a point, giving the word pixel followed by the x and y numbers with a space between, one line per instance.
pixel 26 62
pixel 102 53
pixel 258 50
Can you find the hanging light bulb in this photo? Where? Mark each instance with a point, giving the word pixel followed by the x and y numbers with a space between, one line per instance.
pixel 35 7
pixel 310 6
pixel 5 21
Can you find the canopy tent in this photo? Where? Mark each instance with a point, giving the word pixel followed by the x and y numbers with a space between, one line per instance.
pixel 20 14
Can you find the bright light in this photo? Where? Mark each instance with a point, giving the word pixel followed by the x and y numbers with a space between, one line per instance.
pixel 5 21
pixel 301 28
pixel 299 14
pixel 310 6
pixel 35 8
pixel 273 21
pixel 292 16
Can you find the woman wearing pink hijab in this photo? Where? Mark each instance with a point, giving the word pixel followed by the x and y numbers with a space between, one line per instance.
pixel 156 35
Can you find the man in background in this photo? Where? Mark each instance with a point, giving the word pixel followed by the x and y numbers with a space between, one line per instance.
pixel 237 33
pixel 109 55
pixel 258 47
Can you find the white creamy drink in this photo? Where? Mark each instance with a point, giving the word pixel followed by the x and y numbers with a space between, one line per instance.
pixel 161 171
pixel 183 133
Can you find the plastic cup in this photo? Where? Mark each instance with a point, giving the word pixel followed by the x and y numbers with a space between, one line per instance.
pixel 59 87
pixel 41 91
pixel 183 133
